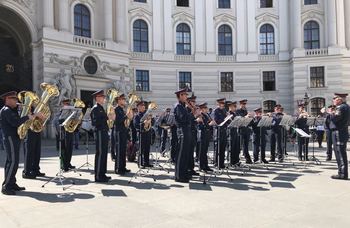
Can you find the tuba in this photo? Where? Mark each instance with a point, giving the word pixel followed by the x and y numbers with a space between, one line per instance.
pixel 147 120
pixel 111 95
pixel 133 98
pixel 27 99
pixel 72 124
pixel 49 91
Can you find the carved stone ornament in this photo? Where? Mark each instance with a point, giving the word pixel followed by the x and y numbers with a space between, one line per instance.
pixel 28 4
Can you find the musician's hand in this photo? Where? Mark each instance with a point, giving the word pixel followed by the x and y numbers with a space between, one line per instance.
pixel 39 115
pixel 31 117
pixel 130 115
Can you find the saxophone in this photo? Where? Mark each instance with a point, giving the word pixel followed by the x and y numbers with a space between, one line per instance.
pixel 147 120
pixel 111 95
pixel 27 99
pixel 49 91
pixel 72 124
pixel 133 98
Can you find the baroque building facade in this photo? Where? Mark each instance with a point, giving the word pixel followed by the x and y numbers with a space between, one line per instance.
pixel 268 51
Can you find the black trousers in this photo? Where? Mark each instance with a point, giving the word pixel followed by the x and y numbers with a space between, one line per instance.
pixel 66 149
pixel 329 144
pixel 245 136
pixel 113 148
pixel 101 154
pixel 234 146
pixel 203 149
pixel 303 146
pixel 174 144
pixel 12 145
pixel 163 139
pixel 320 137
pixel 181 168
pixel 32 153
pixel 340 139
pixel 276 139
pixel 145 146
pixel 220 147
pixel 121 138
pixel 192 149
pixel 259 142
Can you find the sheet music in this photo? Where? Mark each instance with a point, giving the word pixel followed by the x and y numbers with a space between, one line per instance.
pixel 302 133
pixel 287 120
pixel 225 120
pixel 311 121
pixel 265 121
pixel 235 122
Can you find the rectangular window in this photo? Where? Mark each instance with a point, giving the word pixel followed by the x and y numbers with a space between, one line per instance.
pixel 266 3
pixel 142 80
pixel 224 4
pixel 185 80
pixel 310 2
pixel 317 77
pixel 184 3
pixel 269 81
pixel 226 80
pixel 144 1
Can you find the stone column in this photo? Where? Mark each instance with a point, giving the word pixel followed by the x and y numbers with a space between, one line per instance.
pixel 48 8
pixel 331 23
pixel 108 18
pixel 340 23
pixel 121 21
pixel 283 30
pixel 157 25
pixel 241 7
pixel 251 22
pixel 347 22
pixel 295 12
pixel 64 15
pixel 199 29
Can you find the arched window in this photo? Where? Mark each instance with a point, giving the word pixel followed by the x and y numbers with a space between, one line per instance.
pixel 311 35
pixel 316 105
pixel 82 21
pixel 267 40
pixel 225 40
pixel 140 36
pixel 268 106
pixel 183 39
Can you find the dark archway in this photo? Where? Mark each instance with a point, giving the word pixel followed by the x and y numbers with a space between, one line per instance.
pixel 15 53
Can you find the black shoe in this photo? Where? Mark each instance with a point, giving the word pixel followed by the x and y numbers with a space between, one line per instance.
pixel 107 177
pixel 182 180
pixel 280 160
pixel 307 159
pixel 148 165
pixel 39 174
pixel 256 160
pixel 207 169
pixel 18 188
pixel 339 177
pixel 329 159
pixel 71 167
pixel 28 176
pixel 193 173
pixel 127 170
pixel 249 162
pixel 101 180
pixel 272 160
pixel 264 161
pixel 120 172
pixel 8 192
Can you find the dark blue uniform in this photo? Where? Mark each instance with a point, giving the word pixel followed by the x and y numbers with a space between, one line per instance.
pixel 234 143
pixel 66 140
pixel 10 121
pixel 32 153
pixel 276 136
pixel 204 139
pixel 259 139
pixel 144 139
pixel 99 122
pixel 339 127
pixel 303 143
pixel 245 136
pixel 183 123
pixel 328 136
pixel 193 141
pixel 221 142
pixel 121 137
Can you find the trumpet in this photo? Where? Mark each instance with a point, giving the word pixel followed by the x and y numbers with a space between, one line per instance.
pixel 304 114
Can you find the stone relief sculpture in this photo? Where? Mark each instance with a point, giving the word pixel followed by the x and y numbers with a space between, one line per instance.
pixel 66 84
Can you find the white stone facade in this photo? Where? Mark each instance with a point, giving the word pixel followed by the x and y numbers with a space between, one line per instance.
pixel 55 47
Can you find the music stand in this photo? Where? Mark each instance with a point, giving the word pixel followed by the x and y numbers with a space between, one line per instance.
pixel 303 135
pixel 217 171
pixel 86 119
pixel 314 121
pixel 286 121
pixel 59 175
